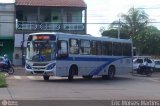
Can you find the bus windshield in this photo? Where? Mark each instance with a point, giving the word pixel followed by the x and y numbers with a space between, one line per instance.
pixel 41 51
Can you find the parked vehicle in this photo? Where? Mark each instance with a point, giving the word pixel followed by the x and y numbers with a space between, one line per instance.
pixel 157 65
pixel 144 70
pixel 6 68
pixel 140 60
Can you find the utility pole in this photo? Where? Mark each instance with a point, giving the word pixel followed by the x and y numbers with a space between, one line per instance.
pixel 22 48
pixel 119 25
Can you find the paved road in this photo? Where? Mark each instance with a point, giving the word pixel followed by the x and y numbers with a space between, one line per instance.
pixel 22 87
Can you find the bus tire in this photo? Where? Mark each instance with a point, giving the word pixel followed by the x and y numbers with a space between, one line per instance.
pixel 104 77
pixel 111 72
pixel 72 71
pixel 70 76
pixel 46 77
pixel 87 76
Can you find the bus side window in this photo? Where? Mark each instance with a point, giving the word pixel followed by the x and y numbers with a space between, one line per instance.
pixel 62 48
pixel 96 47
pixel 74 46
pixel 93 50
pixel 127 49
pixel 107 48
pixel 85 47
pixel 117 49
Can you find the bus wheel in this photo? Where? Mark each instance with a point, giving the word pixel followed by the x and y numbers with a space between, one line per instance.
pixel 87 77
pixel 70 76
pixel 46 77
pixel 105 77
pixel 111 72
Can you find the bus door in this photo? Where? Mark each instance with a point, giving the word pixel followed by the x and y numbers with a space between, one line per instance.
pixel 62 58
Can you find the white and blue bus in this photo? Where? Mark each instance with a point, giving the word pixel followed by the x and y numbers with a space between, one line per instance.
pixel 68 55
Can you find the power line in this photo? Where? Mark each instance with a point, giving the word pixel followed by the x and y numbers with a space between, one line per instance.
pixel 158 22
pixel 149 8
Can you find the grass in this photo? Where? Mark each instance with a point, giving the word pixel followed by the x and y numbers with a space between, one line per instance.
pixel 2 80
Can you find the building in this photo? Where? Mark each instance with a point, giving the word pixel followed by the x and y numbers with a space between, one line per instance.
pixel 7 19
pixel 67 16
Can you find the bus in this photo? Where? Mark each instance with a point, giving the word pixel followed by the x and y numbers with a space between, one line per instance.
pixel 68 55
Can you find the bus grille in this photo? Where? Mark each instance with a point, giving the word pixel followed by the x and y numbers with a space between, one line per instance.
pixel 39 72
pixel 40 64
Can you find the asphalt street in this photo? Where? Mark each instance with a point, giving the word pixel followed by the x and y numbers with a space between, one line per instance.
pixel 23 87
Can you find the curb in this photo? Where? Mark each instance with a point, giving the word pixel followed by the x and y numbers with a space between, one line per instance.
pixel 6 74
pixel 19 68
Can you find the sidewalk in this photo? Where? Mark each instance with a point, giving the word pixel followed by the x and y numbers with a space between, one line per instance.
pixel 19 70
pixel 19 67
pixel 5 94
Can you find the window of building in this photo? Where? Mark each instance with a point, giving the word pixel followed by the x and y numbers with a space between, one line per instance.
pixel 55 18
pixel 107 48
pixel 117 49
pixel 69 17
pixel 85 47
pixel 1 43
pixel 74 46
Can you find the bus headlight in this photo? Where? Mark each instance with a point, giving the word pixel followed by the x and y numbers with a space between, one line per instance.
pixel 51 66
pixel 28 66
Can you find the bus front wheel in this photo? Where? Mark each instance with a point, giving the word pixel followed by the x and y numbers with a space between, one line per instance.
pixel 46 77
pixel 72 71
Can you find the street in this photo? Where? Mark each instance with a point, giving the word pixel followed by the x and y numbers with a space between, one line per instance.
pixel 22 87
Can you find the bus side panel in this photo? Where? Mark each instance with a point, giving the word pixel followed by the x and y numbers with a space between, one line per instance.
pixel 90 67
pixel 123 66
pixel 85 68
pixel 62 68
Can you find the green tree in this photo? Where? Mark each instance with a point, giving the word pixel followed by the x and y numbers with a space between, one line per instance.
pixel 132 23
pixel 114 33
pixel 148 41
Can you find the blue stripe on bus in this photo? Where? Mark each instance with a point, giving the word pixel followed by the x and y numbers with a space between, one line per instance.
pixel 89 59
pixel 98 69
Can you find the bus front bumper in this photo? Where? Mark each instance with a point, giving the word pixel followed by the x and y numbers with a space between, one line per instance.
pixel 49 69
pixel 41 72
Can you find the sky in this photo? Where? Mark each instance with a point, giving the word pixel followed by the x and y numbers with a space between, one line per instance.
pixel 107 11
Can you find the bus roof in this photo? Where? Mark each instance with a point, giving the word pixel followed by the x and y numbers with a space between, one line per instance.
pixel 87 36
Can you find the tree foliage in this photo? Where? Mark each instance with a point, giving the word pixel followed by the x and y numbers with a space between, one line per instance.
pixel 133 22
pixel 134 25
pixel 114 33
pixel 147 41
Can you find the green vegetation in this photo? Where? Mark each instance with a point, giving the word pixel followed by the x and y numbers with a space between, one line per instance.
pixel 2 80
pixel 135 25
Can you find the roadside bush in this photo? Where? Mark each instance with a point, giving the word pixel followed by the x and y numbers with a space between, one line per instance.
pixel 2 80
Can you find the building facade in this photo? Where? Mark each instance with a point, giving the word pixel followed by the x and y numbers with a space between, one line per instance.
pixel 7 19
pixel 68 16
